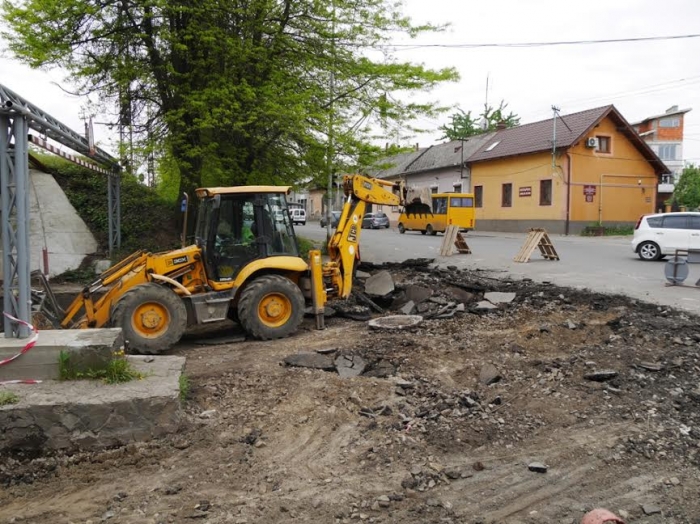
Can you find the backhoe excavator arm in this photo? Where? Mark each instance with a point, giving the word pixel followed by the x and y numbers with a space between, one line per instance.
pixel 93 306
pixel 334 278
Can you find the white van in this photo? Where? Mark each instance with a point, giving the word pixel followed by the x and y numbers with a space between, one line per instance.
pixel 298 216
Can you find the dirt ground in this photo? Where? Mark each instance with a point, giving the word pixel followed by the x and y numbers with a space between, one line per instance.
pixel 419 437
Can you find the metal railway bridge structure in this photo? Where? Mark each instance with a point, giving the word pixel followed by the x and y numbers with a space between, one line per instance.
pixel 18 118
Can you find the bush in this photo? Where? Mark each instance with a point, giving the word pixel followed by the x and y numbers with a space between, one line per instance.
pixel 147 221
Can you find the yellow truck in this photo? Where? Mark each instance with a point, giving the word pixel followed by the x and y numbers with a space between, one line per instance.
pixel 444 209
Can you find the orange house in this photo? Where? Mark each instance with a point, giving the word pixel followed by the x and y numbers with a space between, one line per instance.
pixel 598 172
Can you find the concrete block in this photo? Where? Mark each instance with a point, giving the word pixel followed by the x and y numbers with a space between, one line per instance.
pixel 380 284
pixel 87 348
pixel 91 415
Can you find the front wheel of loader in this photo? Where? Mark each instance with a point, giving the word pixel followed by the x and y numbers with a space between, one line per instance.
pixel 271 307
pixel 152 317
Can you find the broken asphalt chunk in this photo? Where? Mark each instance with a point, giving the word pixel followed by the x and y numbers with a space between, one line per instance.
pixel 651 509
pixel 651 366
pixel 350 365
pixel 537 467
pixel 310 360
pixel 418 294
pixel 497 297
pixel 380 284
pixel 489 374
pixel 485 305
pixel 601 376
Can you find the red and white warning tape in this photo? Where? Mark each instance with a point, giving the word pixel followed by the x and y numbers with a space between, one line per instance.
pixel 29 345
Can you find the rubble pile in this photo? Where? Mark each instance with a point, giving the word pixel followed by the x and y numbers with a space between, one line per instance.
pixel 511 401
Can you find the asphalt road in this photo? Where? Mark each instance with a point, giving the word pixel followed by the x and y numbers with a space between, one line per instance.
pixel 605 264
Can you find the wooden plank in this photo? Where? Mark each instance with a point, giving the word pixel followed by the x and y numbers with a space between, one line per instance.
pixel 448 241
pixel 531 242
pixel 537 238
pixel 461 245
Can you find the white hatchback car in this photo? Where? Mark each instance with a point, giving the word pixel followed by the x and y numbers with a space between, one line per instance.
pixel 656 236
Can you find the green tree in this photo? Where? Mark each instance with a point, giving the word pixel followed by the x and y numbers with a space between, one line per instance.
pixel 463 125
pixel 687 191
pixel 234 91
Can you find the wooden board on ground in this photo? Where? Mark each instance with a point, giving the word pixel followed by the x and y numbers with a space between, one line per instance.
pixel 453 238
pixel 537 237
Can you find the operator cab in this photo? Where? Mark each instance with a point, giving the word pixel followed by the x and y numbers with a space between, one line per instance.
pixel 237 225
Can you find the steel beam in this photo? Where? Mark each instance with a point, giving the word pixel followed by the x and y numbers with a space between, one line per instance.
pixel 14 197
pixel 17 117
pixel 46 124
pixel 114 212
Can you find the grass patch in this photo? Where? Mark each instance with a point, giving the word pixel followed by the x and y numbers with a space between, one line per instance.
pixel 7 398
pixel 306 245
pixel 117 370
pixel 596 230
pixel 184 383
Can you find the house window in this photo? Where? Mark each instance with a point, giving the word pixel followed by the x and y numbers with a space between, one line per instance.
pixel 667 179
pixel 545 192
pixel 433 189
pixel 457 188
pixel 507 195
pixel 668 152
pixel 603 144
pixel 670 122
pixel 479 196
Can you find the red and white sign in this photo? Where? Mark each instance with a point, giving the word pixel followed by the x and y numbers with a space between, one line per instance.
pixel 589 192
pixel 525 191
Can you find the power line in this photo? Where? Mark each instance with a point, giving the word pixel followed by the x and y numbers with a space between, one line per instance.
pixel 546 44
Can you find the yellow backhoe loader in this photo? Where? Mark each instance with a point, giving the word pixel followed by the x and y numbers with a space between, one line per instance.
pixel 245 265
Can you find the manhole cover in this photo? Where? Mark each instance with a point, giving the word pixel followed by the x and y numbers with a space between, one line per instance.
pixel 395 322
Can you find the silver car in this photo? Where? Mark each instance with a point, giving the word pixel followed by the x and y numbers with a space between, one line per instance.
pixel 375 221
pixel 335 218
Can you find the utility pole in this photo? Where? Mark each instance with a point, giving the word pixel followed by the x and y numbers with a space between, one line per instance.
pixel 331 123
pixel 555 111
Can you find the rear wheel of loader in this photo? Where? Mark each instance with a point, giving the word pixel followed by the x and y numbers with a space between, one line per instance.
pixel 152 317
pixel 270 307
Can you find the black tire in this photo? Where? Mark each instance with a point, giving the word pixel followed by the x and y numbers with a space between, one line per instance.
pixel 164 307
pixel 402 229
pixel 303 223
pixel 281 292
pixel 429 229
pixel 423 232
pixel 649 251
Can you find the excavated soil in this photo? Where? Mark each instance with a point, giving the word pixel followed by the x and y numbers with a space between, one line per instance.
pixel 440 428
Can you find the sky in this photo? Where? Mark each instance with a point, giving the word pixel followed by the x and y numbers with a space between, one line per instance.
pixel 640 78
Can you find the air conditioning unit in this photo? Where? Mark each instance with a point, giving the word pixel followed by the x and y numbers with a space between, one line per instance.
pixel 592 142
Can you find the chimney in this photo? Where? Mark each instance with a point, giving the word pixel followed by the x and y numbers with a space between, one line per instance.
pixel 672 109
pixel 501 126
pixel 417 146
